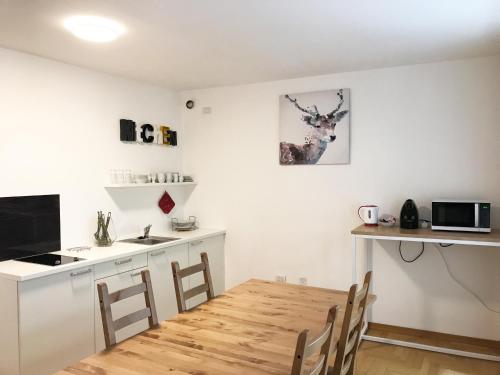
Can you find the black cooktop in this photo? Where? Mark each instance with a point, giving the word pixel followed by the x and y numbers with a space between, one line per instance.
pixel 50 259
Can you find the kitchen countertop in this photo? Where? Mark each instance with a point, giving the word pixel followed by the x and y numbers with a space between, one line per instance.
pixel 22 271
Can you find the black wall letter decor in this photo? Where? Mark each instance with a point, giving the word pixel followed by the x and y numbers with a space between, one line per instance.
pixel 147 133
pixel 172 136
pixel 145 137
pixel 127 130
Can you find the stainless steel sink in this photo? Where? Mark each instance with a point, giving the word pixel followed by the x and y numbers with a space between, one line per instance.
pixel 151 240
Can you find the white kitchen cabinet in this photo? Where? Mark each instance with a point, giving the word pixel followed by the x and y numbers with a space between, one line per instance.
pixel 120 308
pixel 9 337
pixel 214 247
pixel 120 265
pixel 56 321
pixel 160 268
pixel 49 321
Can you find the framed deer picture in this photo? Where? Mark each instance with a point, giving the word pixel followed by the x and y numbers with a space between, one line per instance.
pixel 315 128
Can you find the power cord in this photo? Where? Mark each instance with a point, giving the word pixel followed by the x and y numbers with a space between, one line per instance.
pixel 446 244
pixel 454 278
pixel 414 259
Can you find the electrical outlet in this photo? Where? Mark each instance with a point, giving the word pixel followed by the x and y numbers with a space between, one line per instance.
pixel 303 280
pixel 281 279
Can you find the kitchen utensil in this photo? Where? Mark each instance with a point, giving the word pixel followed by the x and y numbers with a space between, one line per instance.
pixel 141 179
pixel 387 220
pixel 96 234
pixel 190 224
pixel 369 214
pixel 78 249
pixel 107 222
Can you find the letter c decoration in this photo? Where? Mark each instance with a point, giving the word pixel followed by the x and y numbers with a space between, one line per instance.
pixel 144 133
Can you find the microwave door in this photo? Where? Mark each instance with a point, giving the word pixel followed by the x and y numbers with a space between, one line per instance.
pixel 455 215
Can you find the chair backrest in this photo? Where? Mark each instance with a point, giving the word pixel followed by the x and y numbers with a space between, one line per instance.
pixel 106 299
pixel 352 328
pixel 307 347
pixel 206 287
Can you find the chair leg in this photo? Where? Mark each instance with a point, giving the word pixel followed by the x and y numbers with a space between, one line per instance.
pixel 352 370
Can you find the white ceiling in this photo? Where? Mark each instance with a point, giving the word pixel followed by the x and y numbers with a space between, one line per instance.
pixel 186 44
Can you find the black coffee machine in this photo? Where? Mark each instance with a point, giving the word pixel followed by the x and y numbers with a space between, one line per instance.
pixel 409 215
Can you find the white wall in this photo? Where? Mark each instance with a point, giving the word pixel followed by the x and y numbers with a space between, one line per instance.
pixel 60 134
pixel 420 131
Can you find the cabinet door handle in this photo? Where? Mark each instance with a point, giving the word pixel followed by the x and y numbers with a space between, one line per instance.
pixel 135 274
pixel 158 253
pixel 74 274
pixel 195 243
pixel 120 262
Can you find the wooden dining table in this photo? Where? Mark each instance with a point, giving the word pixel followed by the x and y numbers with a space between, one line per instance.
pixel 250 329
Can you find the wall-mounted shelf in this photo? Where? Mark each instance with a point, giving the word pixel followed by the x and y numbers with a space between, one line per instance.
pixel 163 184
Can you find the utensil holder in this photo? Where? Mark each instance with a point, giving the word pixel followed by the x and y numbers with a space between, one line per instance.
pixel 101 236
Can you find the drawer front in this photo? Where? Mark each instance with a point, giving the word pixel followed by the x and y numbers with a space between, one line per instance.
pixel 120 265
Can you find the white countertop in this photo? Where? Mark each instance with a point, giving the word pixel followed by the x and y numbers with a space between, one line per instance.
pixel 21 271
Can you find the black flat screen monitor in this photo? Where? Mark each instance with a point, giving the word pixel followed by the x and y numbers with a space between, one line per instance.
pixel 29 225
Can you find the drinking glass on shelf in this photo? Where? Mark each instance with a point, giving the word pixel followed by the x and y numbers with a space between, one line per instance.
pixel 128 176
pixel 120 176
pixel 112 176
pixel 160 176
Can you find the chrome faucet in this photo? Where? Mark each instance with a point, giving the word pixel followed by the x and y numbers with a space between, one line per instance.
pixel 146 231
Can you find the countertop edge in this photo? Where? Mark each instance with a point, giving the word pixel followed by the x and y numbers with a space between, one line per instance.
pixel 192 236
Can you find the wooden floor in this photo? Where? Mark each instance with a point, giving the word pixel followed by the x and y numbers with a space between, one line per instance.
pixel 468 344
pixel 384 359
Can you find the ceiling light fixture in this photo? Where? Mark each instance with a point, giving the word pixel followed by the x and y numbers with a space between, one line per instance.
pixel 94 28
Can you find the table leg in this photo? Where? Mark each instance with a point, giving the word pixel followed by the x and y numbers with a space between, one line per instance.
pixel 354 259
pixel 369 267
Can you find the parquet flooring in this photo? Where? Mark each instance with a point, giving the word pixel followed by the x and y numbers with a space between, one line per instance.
pixel 383 359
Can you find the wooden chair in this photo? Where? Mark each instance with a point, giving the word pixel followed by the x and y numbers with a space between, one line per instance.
pixel 206 287
pixel 352 328
pixel 305 348
pixel 106 299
